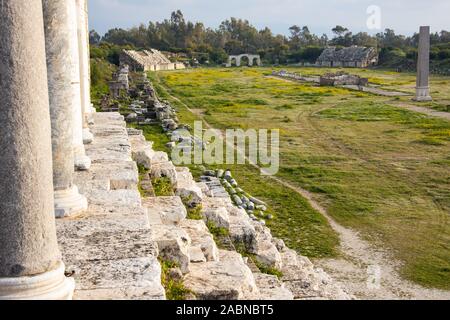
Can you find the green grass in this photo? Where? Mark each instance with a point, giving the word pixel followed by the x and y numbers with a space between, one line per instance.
pixel 195 213
pixel 175 289
pixel 376 168
pixel 163 187
pixel 218 233
pixel 154 133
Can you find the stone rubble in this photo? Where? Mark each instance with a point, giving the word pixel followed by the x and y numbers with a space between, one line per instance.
pixel 214 273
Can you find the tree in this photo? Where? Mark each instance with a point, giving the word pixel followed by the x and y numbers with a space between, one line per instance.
pixel 94 37
pixel 339 31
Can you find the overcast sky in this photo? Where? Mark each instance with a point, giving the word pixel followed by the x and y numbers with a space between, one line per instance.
pixel 404 16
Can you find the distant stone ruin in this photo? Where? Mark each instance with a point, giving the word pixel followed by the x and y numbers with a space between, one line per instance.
pixel 423 66
pixel 236 60
pixel 343 79
pixel 352 57
pixel 148 60
pixel 120 82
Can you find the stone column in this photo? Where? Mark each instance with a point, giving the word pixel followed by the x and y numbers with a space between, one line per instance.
pixel 423 66
pixel 82 162
pixel 30 261
pixel 68 201
pixel 83 52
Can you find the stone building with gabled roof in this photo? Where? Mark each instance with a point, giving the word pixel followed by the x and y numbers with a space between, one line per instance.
pixel 351 57
pixel 148 60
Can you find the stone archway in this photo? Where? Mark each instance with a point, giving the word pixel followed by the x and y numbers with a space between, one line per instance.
pixel 244 59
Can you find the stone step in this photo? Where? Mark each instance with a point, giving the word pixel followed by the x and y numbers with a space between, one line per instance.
pixel 110 249
pixel 187 188
pixel 124 279
pixel 119 174
pixel 226 279
pixel 202 241
pixel 171 210
pixel 173 244
pixel 164 170
pixel 271 288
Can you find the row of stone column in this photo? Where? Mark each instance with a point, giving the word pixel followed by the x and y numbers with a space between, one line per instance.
pixel 44 114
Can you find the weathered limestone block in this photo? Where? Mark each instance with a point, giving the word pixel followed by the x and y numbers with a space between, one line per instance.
pixel 120 174
pixel 264 249
pixel 115 199
pixel 105 237
pixel 205 189
pixel 109 129
pixel 170 209
pixel 135 278
pixel 87 183
pixel 159 157
pixel 187 188
pixel 241 228
pixel 99 155
pixel 173 245
pixel 201 238
pixel 218 216
pixel 271 288
pixel 142 151
pixel 304 281
pixel 226 279
pixel 196 255
pixel 164 170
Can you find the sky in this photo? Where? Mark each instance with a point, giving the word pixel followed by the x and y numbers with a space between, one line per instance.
pixel 404 16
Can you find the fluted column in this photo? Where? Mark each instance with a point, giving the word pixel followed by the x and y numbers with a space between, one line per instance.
pixel 82 162
pixel 30 261
pixel 423 66
pixel 83 51
pixel 68 201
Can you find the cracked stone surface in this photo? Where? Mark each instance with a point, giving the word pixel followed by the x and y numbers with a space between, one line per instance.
pixel 110 250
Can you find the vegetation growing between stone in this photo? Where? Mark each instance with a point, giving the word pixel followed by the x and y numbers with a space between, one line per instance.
pixel 218 233
pixel 241 248
pixel 174 287
pixel 195 213
pixel 163 187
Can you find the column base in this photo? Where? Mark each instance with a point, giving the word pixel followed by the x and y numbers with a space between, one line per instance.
pixel 88 137
pixel 52 285
pixel 81 161
pixel 93 110
pixel 69 203
pixel 423 94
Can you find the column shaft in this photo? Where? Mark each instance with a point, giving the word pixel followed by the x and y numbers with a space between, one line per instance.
pixel 82 162
pixel 83 52
pixel 423 66
pixel 68 201
pixel 30 262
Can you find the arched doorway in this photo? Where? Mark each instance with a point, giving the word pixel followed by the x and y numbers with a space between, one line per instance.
pixel 245 61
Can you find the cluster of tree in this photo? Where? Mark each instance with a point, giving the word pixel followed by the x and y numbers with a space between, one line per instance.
pixel 235 36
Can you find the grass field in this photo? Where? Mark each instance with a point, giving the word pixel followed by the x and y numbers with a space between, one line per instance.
pixel 379 169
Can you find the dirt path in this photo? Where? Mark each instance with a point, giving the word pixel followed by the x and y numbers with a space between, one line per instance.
pixel 424 110
pixel 366 271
